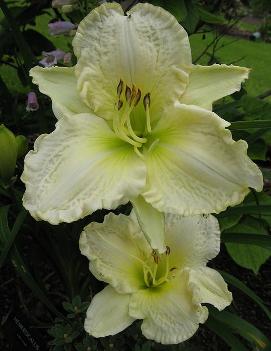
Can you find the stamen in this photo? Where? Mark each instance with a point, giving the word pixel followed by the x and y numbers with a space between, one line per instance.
pixel 132 133
pixel 120 104
pixel 138 97
pixel 138 152
pixel 155 256
pixel 120 87
pixel 147 273
pixel 120 133
pixel 167 250
pixel 146 102
pixel 128 94
pixel 125 118
pixel 122 124
pixel 134 92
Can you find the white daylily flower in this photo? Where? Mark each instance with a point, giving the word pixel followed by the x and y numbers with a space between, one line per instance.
pixel 128 125
pixel 165 290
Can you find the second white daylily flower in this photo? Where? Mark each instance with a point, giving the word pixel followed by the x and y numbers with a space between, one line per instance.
pixel 166 290
pixel 128 125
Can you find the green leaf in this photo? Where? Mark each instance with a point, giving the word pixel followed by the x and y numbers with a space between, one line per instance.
pixel 176 7
pixel 257 150
pixel 240 125
pixel 264 210
pixel 262 199
pixel 191 20
pixel 209 17
pixel 11 238
pixel 255 109
pixel 242 327
pixel 251 239
pixel 228 222
pixel 225 334
pixel 230 279
pixel 248 255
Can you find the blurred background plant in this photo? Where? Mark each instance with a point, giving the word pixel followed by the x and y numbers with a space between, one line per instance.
pixel 45 285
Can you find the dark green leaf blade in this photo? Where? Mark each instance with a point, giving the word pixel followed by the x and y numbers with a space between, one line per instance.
pixel 230 279
pixel 11 238
pixel 252 239
pixel 242 327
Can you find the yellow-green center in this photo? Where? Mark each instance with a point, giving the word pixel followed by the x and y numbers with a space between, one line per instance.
pixel 158 270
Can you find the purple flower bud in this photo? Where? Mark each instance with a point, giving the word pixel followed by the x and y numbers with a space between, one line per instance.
pixel 60 27
pixel 67 58
pixel 52 57
pixel 59 3
pixel 32 102
pixel 48 61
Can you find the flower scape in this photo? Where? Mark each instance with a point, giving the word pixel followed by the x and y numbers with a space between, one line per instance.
pixel 135 123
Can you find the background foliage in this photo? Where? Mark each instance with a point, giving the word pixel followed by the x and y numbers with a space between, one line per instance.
pixel 45 283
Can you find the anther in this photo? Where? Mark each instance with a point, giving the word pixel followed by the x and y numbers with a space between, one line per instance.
pixel 133 95
pixel 147 101
pixel 128 94
pixel 120 104
pixel 167 250
pixel 155 256
pixel 172 269
pixel 120 88
pixel 138 97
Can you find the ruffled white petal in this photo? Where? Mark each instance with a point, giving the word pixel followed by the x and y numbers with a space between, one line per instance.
pixel 208 286
pixel 152 223
pixel 210 83
pixel 170 317
pixel 79 168
pixel 194 166
pixel 146 48
pixel 60 84
pixel 193 240
pixel 108 313
pixel 117 250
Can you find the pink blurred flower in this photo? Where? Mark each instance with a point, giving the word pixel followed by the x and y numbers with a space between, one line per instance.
pixel 32 102
pixel 50 58
pixel 67 58
pixel 60 27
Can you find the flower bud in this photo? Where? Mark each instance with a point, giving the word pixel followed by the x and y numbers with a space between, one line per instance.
pixel 22 145
pixel 32 102
pixel 61 27
pixel 67 58
pixel 8 153
pixel 50 58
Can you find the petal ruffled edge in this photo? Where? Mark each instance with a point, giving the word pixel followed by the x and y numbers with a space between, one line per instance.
pixel 208 286
pixel 210 83
pixel 79 168
pixel 176 171
pixel 193 240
